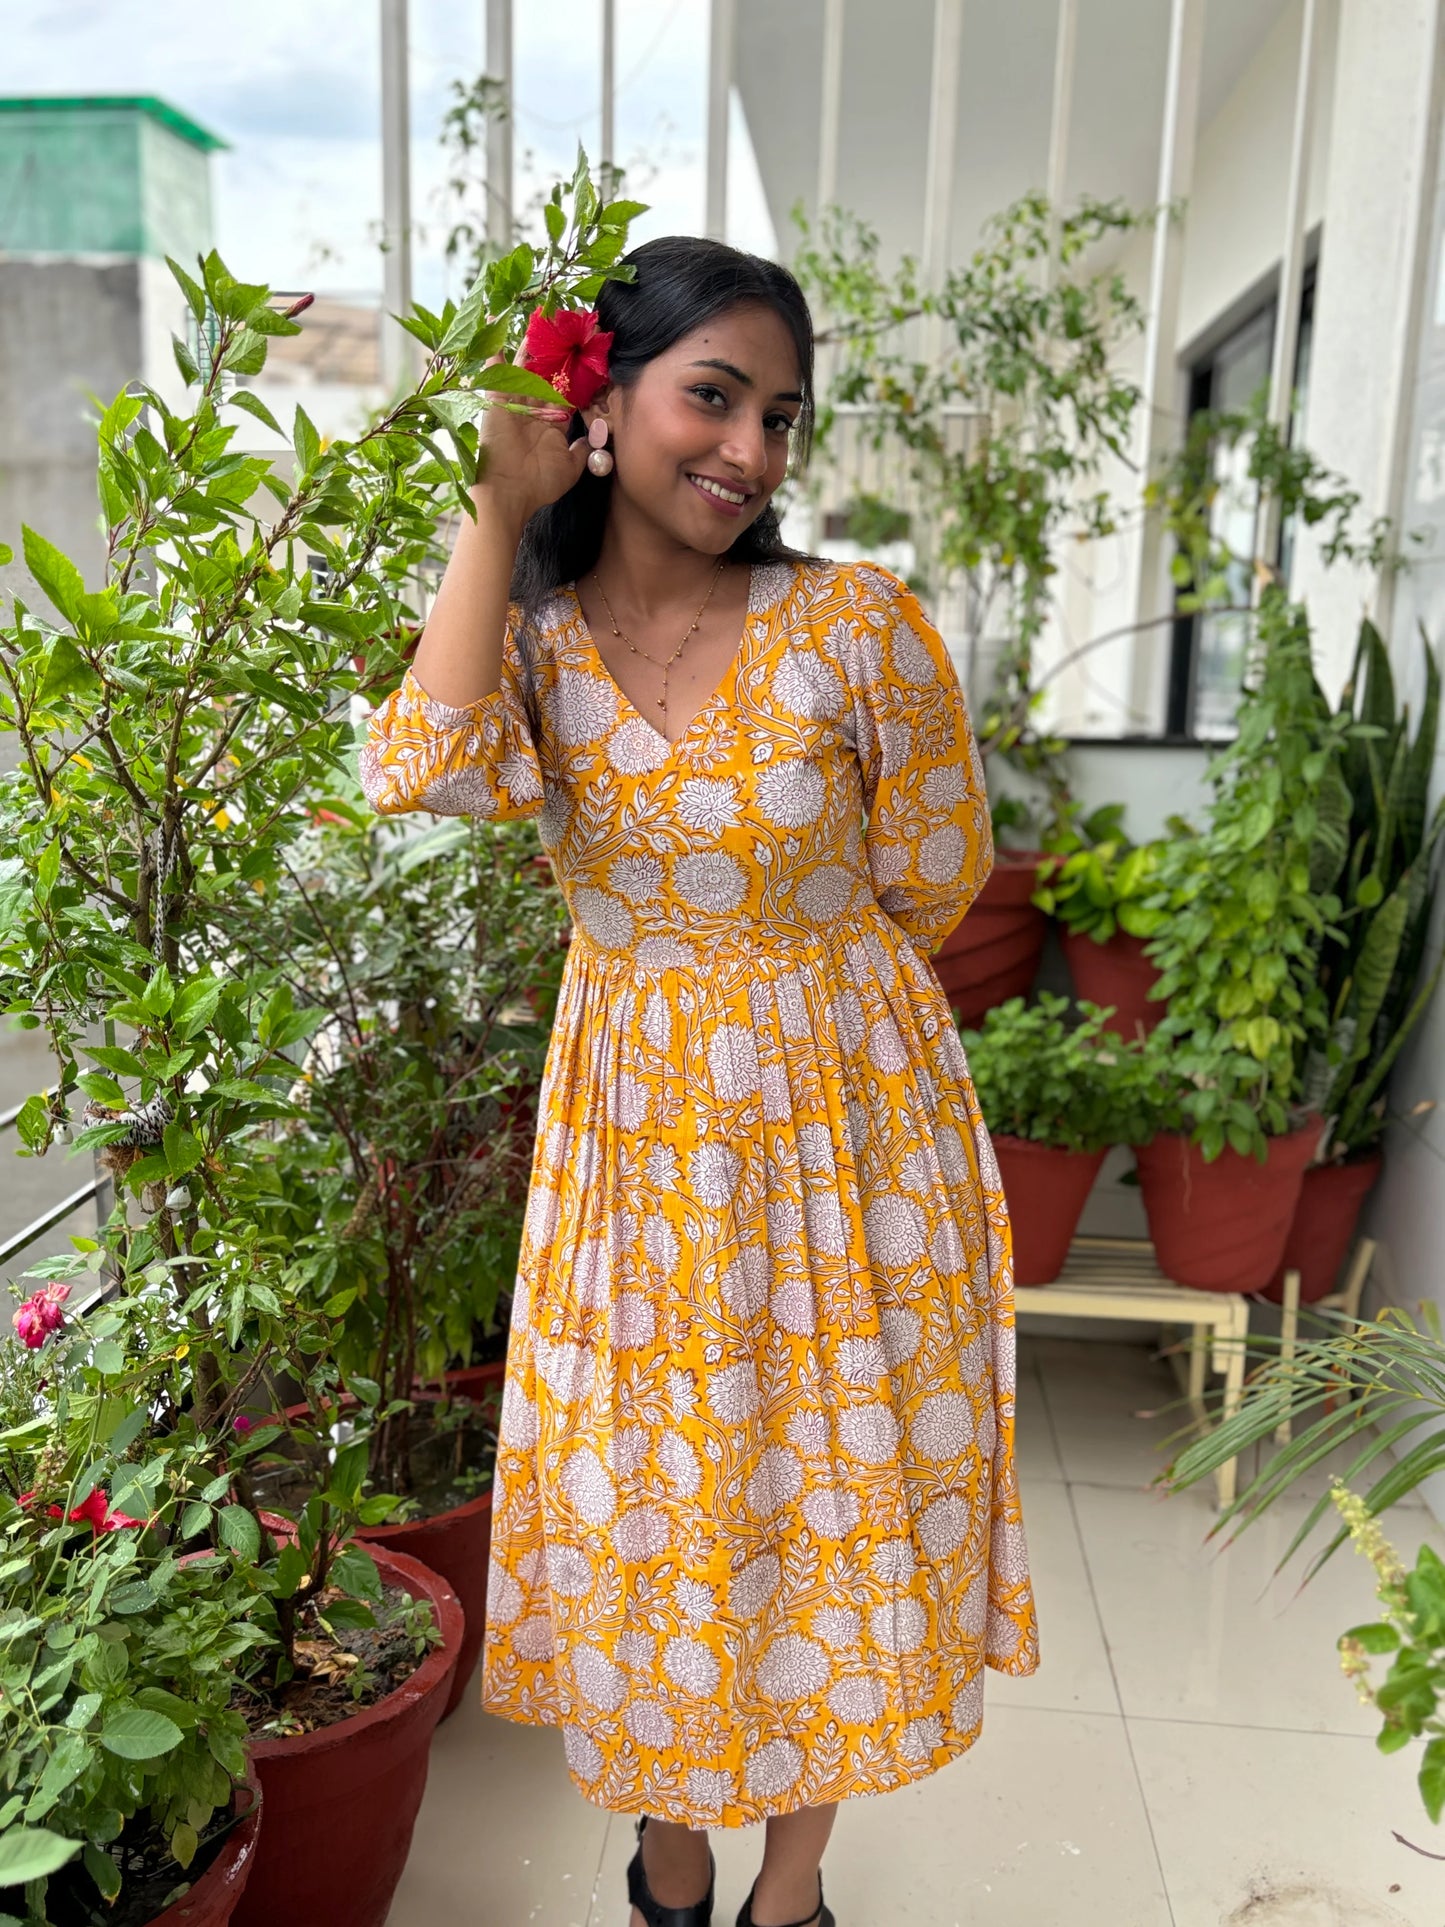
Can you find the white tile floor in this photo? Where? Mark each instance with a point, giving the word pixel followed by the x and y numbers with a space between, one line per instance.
pixel 1188 1754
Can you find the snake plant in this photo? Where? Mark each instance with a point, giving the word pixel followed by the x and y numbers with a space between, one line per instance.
pixel 1371 964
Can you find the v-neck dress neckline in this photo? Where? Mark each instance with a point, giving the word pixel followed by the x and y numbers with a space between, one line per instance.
pixel 722 692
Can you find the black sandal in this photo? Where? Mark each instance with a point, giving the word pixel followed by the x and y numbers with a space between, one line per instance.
pixel 638 1892
pixel 823 1915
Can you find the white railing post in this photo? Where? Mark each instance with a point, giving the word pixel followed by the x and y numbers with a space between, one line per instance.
pixel 942 139
pixel 1160 406
pixel 721 46
pixel 499 125
pixel 609 87
pixel 1292 260
pixel 830 117
pixel 1058 175
pixel 397 358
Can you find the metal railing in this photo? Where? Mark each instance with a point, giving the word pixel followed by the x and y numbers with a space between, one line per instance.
pixel 53 1214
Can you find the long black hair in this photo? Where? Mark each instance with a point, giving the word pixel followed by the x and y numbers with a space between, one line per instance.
pixel 682 281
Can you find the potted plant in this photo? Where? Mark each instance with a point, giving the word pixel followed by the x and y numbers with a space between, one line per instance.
pixel 1245 908
pixel 1096 885
pixel 1055 1096
pixel 125 1791
pixel 175 726
pixel 1371 966
pixel 434 959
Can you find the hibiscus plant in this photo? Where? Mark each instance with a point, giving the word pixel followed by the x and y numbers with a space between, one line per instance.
pixel 177 722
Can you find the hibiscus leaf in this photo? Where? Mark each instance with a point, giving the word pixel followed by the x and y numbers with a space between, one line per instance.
pixel 506 378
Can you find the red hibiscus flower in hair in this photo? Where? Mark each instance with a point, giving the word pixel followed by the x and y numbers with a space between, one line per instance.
pixel 570 351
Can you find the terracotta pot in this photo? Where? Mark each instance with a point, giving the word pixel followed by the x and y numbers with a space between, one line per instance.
pixel 456 1544
pixel 341 1802
pixel 1046 1190
pixel 1223 1226
pixel 1117 973
pixel 215 1896
pixel 994 953
pixel 1323 1230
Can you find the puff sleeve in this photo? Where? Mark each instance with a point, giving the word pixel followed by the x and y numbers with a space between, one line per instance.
pixel 929 838
pixel 480 760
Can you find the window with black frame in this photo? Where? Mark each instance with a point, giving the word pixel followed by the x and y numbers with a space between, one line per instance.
pixel 1208 652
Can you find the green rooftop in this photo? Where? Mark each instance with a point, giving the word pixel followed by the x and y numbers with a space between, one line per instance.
pixel 103 174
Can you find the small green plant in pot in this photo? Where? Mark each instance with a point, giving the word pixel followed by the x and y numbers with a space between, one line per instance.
pixel 1097 884
pixel 1055 1095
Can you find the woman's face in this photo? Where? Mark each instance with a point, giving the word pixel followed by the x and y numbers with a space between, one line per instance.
pixel 700 439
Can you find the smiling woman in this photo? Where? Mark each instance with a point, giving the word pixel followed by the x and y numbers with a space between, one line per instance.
pixel 756 1529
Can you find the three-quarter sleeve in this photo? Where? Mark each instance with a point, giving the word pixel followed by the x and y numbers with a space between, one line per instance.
pixel 480 760
pixel 929 838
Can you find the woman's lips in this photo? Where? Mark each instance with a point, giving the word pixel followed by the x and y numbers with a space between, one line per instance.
pixel 722 506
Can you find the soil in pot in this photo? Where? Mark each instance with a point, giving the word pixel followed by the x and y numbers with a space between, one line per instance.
pixel 1223 1226
pixel 1330 1201
pixel 994 953
pixel 342 1800
pixel 1115 973
pixel 1046 1190
pixel 449 1492
pixel 156 1892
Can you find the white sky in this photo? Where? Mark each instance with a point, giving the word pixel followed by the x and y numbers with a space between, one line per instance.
pixel 294 87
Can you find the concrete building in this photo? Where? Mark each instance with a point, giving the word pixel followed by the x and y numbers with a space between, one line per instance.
pixel 94 193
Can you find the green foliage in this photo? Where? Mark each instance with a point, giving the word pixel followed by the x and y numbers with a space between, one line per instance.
pixel 1075 1086
pixel 1371 971
pixel 433 960
pixel 1026 364
pixel 1371 1391
pixel 1247 905
pixel 1095 881
pixel 177 725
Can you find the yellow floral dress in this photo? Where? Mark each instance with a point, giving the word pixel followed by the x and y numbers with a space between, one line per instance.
pixel 756 1528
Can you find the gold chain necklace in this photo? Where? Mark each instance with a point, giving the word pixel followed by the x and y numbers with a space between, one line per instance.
pixel 665 667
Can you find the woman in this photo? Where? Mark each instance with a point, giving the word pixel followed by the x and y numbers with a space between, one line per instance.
pixel 757 1528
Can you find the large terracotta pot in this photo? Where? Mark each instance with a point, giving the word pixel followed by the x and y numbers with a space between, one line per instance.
pixel 341 1802
pixel 456 1544
pixel 1046 1190
pixel 994 953
pixel 1330 1201
pixel 214 1898
pixel 1116 972
pixel 1223 1226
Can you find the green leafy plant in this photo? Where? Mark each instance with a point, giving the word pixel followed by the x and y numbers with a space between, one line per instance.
pixel 1371 1391
pixel 1095 881
pixel 1371 970
pixel 176 725
pixel 400 1186
pixel 1028 364
pixel 1246 906
pixel 1073 1085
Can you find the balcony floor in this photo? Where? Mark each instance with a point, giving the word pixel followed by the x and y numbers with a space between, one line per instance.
pixel 1188 1754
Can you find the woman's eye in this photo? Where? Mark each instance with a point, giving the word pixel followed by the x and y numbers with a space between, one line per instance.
pixel 781 424
pixel 708 393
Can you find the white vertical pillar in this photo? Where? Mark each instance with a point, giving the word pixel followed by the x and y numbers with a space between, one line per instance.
pixel 830 117
pixel 1292 258
pixel 397 358
pixel 1160 406
pixel 722 42
pixel 499 126
pixel 1058 175
pixel 942 139
pixel 607 157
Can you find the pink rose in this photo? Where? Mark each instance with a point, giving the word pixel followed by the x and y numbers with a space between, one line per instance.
pixel 41 1315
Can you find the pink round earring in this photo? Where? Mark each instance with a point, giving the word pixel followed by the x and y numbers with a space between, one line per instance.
pixel 599 459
